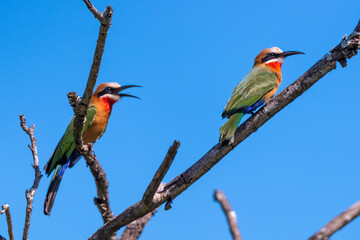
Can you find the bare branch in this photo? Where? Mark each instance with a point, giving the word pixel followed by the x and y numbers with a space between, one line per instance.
pixel 345 50
pixel 160 173
pixel 6 209
pixel 80 107
pixel 134 229
pixel 230 214
pixel 29 194
pixel 337 223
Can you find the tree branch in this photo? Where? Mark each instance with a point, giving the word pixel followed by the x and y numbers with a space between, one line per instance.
pixel 29 194
pixel 80 107
pixel 230 214
pixel 135 228
pixel 345 50
pixel 160 173
pixel 337 223
pixel 6 210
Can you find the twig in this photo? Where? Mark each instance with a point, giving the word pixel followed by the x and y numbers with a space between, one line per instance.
pixel 134 229
pixel 230 214
pixel 214 155
pixel 29 194
pixel 337 223
pixel 6 210
pixel 160 173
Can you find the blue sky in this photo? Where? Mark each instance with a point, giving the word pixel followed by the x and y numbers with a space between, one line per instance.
pixel 285 181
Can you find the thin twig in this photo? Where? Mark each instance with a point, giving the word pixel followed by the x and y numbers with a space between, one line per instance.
pixel 337 223
pixel 230 214
pixel 160 173
pixel 6 209
pixel 345 50
pixel 92 9
pixel 135 228
pixel 29 194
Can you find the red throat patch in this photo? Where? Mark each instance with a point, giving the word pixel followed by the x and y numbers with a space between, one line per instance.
pixel 108 103
pixel 275 65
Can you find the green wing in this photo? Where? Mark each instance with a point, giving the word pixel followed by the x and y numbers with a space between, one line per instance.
pixel 253 87
pixel 66 146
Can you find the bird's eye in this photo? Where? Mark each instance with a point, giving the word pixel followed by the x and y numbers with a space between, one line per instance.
pixel 108 88
pixel 272 54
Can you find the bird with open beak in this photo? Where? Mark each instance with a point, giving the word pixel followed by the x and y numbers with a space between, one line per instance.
pixel 256 89
pixel 96 120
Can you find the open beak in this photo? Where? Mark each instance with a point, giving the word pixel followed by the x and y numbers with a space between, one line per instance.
pixel 289 53
pixel 125 94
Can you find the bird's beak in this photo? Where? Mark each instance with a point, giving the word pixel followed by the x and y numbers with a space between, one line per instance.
pixel 125 94
pixel 289 53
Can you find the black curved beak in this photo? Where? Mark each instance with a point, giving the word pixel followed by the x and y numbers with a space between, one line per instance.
pixel 125 94
pixel 289 53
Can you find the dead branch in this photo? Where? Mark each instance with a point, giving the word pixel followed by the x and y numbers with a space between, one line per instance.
pixel 347 48
pixel 6 209
pixel 230 214
pixel 80 107
pixel 160 173
pixel 134 229
pixel 337 223
pixel 29 194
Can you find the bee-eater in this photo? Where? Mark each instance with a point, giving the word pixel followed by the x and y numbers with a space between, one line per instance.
pixel 65 154
pixel 254 90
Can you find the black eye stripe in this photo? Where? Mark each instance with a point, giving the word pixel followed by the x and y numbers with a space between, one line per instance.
pixel 106 91
pixel 269 56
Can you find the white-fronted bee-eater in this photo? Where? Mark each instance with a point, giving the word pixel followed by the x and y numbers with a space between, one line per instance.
pixel 254 90
pixel 96 120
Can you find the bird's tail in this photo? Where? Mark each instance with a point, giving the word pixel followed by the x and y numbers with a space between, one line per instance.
pixel 228 130
pixel 53 188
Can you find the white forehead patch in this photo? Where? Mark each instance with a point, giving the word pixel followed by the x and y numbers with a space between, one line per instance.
pixel 113 85
pixel 275 50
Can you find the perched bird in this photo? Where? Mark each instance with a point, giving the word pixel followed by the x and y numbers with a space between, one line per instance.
pixel 254 90
pixel 65 154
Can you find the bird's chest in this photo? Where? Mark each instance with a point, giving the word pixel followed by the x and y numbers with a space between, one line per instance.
pixel 97 128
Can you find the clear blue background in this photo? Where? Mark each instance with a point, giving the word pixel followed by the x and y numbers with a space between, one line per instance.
pixel 285 181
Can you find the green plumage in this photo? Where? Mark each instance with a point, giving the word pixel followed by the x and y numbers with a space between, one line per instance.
pixel 66 146
pixel 248 92
pixel 65 151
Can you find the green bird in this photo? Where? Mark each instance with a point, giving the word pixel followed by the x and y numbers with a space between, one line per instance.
pixel 257 88
pixel 65 154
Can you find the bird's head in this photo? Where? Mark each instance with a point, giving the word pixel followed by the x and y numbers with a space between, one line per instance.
pixel 273 56
pixel 110 93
